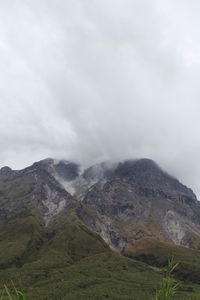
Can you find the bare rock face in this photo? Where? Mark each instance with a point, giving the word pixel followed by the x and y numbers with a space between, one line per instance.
pixel 122 202
pixel 32 189
pixel 150 179
pixel 142 200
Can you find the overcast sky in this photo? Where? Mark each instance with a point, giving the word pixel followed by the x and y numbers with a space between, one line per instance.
pixel 92 80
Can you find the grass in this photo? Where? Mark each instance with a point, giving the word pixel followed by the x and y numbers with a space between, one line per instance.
pixel 71 262
pixel 14 294
pixel 100 276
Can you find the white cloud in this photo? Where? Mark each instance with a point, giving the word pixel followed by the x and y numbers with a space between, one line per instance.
pixel 93 80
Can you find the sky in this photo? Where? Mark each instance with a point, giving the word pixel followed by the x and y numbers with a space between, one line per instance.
pixel 101 80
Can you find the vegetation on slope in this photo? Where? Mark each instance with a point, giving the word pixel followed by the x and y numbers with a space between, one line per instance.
pixel 66 260
pixel 72 262
pixel 156 253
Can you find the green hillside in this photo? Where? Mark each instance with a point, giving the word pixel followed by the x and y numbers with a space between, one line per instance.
pixel 68 261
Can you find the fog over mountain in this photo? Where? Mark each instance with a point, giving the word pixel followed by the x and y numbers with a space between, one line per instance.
pixel 101 80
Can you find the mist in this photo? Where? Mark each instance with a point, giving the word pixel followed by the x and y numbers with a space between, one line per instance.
pixel 95 80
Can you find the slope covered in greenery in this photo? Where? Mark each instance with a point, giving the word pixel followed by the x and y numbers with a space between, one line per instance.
pixel 68 261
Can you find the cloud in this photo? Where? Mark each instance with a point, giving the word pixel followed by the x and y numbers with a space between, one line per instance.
pixel 94 80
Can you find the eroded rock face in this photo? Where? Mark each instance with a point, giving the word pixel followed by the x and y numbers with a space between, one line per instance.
pixel 31 189
pixel 140 194
pixel 151 180
pixel 122 202
pixel 175 227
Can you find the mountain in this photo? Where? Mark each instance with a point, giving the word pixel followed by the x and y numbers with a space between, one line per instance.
pixel 142 200
pixel 58 218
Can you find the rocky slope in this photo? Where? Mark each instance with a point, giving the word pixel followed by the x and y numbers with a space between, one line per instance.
pixel 33 189
pixel 122 202
pixel 142 200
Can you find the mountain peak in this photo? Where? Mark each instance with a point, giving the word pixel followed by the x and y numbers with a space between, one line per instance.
pixel 130 167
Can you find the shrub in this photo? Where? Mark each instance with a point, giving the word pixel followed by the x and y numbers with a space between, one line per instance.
pixel 169 286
